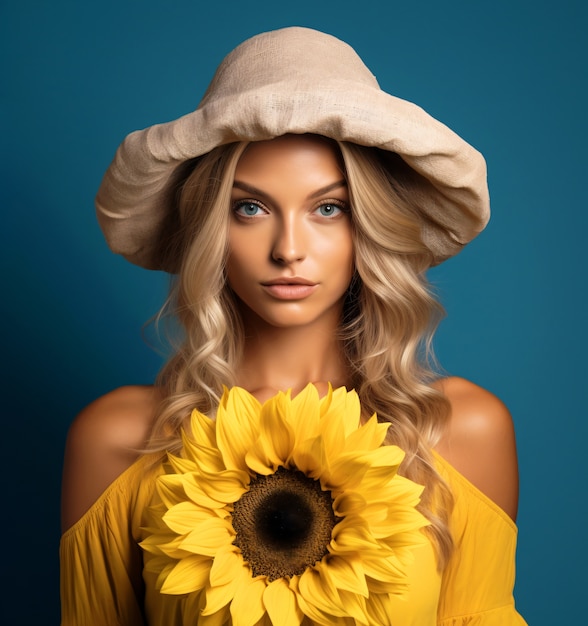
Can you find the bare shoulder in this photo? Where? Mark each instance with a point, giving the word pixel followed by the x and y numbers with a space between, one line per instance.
pixel 102 442
pixel 480 441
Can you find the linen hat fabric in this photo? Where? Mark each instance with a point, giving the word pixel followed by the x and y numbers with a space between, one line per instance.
pixel 292 80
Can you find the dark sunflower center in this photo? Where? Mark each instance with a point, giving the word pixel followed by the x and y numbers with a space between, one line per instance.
pixel 283 523
pixel 282 520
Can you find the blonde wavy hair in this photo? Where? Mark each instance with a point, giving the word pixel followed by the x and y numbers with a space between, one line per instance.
pixel 390 314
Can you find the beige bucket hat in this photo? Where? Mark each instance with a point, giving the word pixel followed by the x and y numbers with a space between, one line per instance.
pixel 293 80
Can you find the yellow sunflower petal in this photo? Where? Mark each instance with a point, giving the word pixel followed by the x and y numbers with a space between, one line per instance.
pixel 226 562
pixel 346 574
pixel 261 462
pixel 237 426
pixel 227 486
pixel 193 605
pixel 219 618
pixel 247 606
pixel 151 545
pixel 398 524
pixel 276 437
pixel 280 602
pixel 170 489
pixel 316 616
pixel 344 408
pixel 379 610
pixel 318 592
pixel 189 574
pixel 370 435
pixel 375 465
pixel 356 607
pixel 333 408
pixel 203 429
pixel 219 596
pixel 346 472
pixel 332 401
pixel 349 502
pixel 180 465
pixel 390 517
pixel 207 459
pixel 384 458
pixel 396 587
pixel 165 543
pixel 391 569
pixel 164 570
pixel 405 492
pixel 310 457
pixel 306 413
pixel 275 428
pixel 159 564
pixel 195 492
pixel 370 547
pixel 208 537
pixel 352 535
pixel 183 517
pixel 402 545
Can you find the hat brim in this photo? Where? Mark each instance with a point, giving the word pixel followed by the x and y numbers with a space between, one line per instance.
pixel 135 196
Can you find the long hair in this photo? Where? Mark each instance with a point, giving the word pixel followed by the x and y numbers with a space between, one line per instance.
pixel 389 313
pixel 389 331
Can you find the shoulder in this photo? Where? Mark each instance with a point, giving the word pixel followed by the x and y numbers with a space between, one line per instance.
pixel 103 441
pixel 479 441
pixel 120 419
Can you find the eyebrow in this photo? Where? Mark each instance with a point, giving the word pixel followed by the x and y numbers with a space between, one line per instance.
pixel 315 194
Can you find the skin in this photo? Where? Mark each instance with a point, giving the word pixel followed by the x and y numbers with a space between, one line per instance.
pixel 284 228
pixel 300 232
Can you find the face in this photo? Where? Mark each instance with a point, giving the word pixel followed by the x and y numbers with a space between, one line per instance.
pixel 290 245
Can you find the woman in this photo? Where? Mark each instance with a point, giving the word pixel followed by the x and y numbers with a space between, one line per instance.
pixel 300 207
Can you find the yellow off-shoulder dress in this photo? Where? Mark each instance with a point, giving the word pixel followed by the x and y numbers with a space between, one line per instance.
pixel 102 581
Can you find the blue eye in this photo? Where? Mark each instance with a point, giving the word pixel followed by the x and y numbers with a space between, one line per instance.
pixel 329 210
pixel 247 209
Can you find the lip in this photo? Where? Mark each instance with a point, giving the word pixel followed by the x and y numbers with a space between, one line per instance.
pixel 289 280
pixel 290 288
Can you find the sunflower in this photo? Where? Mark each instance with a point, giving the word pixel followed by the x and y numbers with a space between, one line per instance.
pixel 288 512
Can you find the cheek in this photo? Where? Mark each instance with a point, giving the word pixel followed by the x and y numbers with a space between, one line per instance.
pixel 236 270
pixel 238 245
pixel 337 263
pixel 242 252
pixel 341 252
pixel 246 265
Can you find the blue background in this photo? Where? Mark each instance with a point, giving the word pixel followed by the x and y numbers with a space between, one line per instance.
pixel 509 76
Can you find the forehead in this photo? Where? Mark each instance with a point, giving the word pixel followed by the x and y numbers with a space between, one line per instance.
pixel 295 153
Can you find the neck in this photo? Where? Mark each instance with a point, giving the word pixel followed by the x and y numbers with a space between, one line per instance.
pixel 278 359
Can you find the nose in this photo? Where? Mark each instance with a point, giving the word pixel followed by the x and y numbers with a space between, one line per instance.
pixel 289 240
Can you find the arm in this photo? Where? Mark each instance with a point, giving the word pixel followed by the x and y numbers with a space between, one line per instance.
pixel 102 443
pixel 480 442
pixel 101 562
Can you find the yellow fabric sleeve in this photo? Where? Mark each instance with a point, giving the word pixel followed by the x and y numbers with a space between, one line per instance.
pixel 101 563
pixel 477 585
